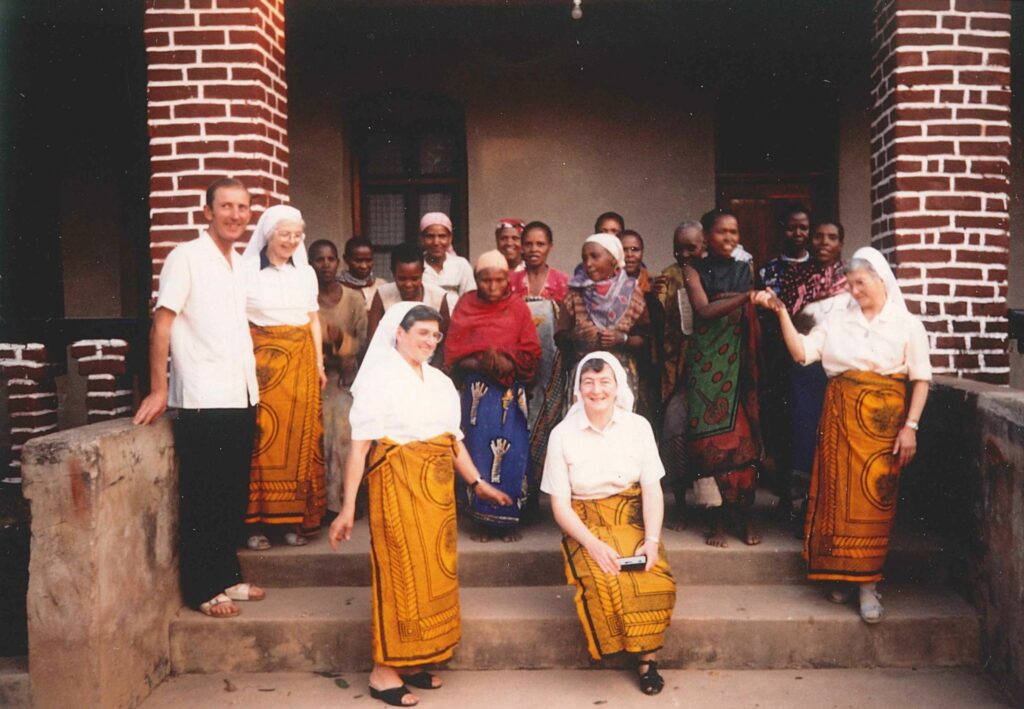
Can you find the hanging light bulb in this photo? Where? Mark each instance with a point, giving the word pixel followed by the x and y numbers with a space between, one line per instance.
pixel 577 9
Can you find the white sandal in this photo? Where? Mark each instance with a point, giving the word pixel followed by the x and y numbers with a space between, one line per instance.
pixel 244 592
pixel 218 600
pixel 258 542
pixel 871 610
pixel 294 539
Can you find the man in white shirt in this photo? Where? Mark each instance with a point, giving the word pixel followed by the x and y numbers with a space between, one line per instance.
pixel 200 320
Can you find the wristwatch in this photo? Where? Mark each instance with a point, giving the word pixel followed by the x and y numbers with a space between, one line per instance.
pixel 472 485
pixel 912 425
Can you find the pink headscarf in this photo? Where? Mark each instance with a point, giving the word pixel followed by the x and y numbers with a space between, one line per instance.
pixel 432 218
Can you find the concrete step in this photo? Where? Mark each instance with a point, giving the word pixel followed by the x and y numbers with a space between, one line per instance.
pixel 583 689
pixel 536 560
pixel 14 683
pixel 718 627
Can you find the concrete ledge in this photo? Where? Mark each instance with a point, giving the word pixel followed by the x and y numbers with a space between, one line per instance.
pixel 103 575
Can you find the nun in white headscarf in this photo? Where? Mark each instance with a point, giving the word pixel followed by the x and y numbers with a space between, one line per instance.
pixel 605 310
pixel 407 437
pixel 868 432
pixel 287 489
pixel 603 474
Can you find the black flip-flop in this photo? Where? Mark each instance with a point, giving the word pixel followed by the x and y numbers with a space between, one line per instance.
pixel 650 681
pixel 420 680
pixel 393 696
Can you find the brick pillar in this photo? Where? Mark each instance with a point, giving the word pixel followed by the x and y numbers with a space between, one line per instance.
pixel 940 165
pixel 31 399
pixel 217 106
pixel 108 389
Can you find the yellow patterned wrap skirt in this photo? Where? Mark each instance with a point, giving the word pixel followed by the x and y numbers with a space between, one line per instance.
pixel 629 612
pixel 286 479
pixel 855 478
pixel 415 587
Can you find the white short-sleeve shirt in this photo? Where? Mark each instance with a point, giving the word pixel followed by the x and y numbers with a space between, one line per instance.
pixel 403 407
pixel 893 342
pixel 456 277
pixel 589 464
pixel 212 361
pixel 280 295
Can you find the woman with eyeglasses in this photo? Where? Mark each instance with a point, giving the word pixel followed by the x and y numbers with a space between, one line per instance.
pixel 287 488
pixel 492 351
pixel 407 438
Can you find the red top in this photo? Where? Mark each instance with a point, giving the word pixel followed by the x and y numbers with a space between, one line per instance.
pixel 556 285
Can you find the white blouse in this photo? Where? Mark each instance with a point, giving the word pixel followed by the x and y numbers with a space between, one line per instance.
pixel 816 313
pixel 455 276
pixel 404 407
pixel 587 464
pixel 894 342
pixel 281 295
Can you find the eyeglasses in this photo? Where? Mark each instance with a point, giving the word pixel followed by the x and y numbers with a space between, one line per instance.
pixel 423 333
pixel 290 235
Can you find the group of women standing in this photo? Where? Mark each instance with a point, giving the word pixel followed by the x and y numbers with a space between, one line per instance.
pixel 587 387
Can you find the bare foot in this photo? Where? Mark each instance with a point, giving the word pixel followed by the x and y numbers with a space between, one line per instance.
pixel 383 678
pixel 748 532
pixel 715 536
pixel 512 535
pixel 480 535
pixel 716 539
pixel 676 524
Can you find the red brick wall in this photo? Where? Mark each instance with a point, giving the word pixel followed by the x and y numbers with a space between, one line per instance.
pixel 108 388
pixel 218 105
pixel 940 166
pixel 31 399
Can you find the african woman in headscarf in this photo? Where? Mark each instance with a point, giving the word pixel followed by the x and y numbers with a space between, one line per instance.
pixel 720 374
pixel 492 350
pixel 811 290
pixel 287 486
pixel 406 435
pixel 605 310
pixel 868 431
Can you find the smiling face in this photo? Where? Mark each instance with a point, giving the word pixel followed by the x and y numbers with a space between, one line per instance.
pixel 536 248
pixel 796 230
pixel 597 262
pixel 284 240
pixel 324 261
pixel 229 215
pixel 867 288
pixel 435 240
pixel 409 279
pixel 417 345
pixel 725 236
pixel 634 251
pixel 826 244
pixel 510 244
pixel 688 245
pixel 598 389
pixel 360 261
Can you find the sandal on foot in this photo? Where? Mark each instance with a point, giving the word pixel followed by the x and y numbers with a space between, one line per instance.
pixel 420 680
pixel 218 600
pixel 245 592
pixel 871 610
pixel 258 542
pixel 650 681
pixel 293 539
pixel 393 696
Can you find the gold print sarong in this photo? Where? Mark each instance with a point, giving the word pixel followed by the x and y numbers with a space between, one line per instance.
pixel 286 480
pixel 855 478
pixel 415 589
pixel 629 612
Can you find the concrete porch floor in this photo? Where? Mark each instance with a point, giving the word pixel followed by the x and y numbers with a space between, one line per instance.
pixel 952 688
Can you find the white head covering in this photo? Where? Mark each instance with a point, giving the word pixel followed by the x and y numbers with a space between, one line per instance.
pixel 611 244
pixel 893 293
pixel 623 394
pixel 491 259
pixel 381 355
pixel 265 226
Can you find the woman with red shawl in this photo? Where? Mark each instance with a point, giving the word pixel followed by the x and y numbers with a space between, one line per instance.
pixel 492 350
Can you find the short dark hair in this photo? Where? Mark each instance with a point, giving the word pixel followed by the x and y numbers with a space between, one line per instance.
pixel 709 218
pixel 633 233
pixel 357 242
pixel 420 313
pixel 406 253
pixel 829 220
pixel 791 209
pixel 543 227
pixel 594 364
pixel 220 184
pixel 323 244
pixel 609 215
